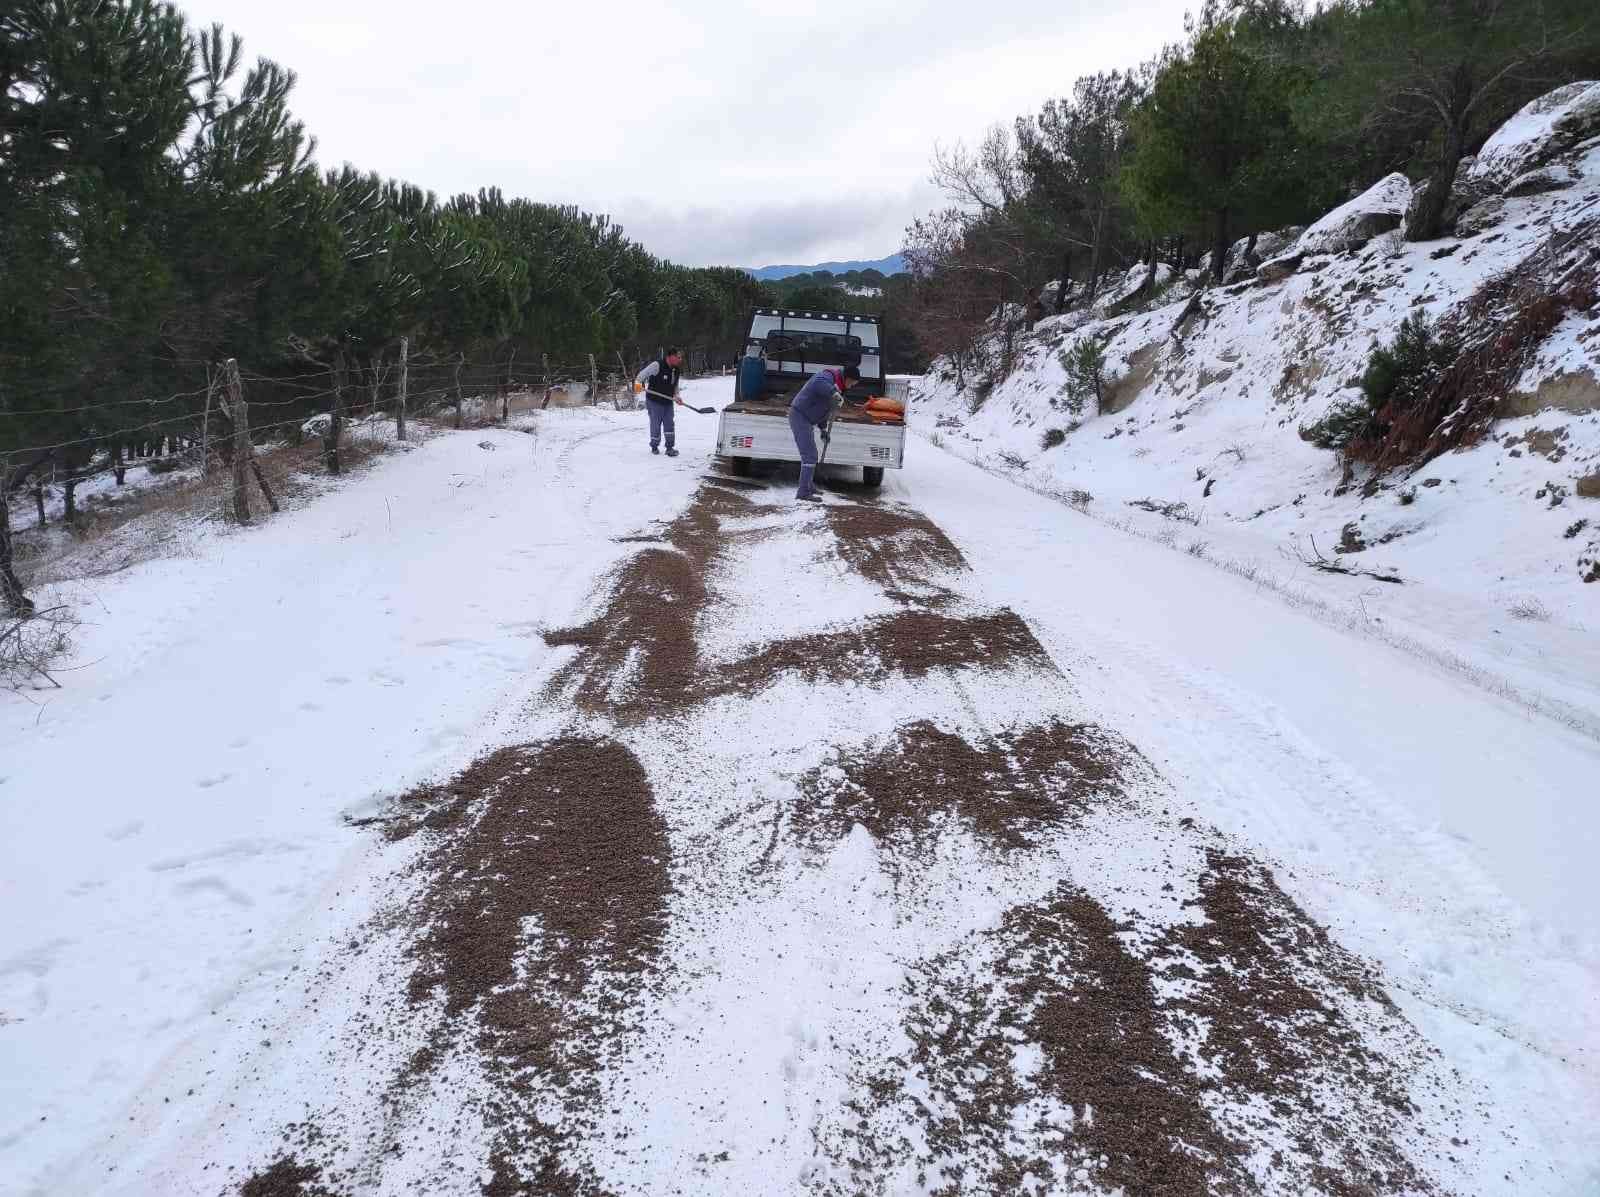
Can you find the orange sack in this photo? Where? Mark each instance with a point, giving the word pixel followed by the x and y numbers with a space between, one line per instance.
pixel 886 405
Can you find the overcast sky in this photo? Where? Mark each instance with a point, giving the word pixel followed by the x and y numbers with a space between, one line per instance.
pixel 717 132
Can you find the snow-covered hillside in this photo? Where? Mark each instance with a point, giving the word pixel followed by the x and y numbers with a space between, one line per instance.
pixel 1206 395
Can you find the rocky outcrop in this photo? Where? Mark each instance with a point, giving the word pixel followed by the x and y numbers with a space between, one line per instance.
pixel 1484 214
pixel 1277 269
pixel 1576 391
pixel 1244 259
pixel 1538 134
pixel 1375 211
pixel 1537 182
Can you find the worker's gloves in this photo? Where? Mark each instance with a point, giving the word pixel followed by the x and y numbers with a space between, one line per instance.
pixel 838 401
pixel 826 433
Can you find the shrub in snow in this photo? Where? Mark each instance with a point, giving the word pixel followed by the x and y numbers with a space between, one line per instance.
pixel 1529 608
pixel 1052 437
pixel 1398 375
pixel 1343 422
pixel 1085 364
pixel 31 644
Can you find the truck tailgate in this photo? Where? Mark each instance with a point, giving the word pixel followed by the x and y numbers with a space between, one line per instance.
pixel 767 438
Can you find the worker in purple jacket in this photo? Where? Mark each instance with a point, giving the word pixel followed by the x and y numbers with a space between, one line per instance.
pixel 812 407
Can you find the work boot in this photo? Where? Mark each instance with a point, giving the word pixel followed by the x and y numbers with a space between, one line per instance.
pixel 656 451
pixel 813 497
pixel 671 452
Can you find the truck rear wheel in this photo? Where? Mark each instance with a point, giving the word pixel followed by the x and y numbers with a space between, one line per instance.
pixel 741 467
pixel 872 475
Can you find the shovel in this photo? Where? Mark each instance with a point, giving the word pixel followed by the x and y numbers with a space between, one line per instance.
pixel 704 411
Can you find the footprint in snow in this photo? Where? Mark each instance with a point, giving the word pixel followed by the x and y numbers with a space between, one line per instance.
pixel 126 830
pixel 310 706
pixel 337 680
pixel 215 885
pixel 205 783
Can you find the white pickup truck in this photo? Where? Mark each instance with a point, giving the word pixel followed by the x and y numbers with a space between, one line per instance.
pixel 782 351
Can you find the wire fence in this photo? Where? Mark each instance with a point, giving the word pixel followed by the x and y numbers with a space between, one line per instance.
pixel 180 419
pixel 297 419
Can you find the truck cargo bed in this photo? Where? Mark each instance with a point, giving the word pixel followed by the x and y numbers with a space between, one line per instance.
pixel 847 414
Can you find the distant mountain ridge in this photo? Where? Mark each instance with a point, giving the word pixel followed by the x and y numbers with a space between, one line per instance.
pixel 893 264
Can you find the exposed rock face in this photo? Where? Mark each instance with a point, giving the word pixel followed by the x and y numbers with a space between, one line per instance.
pixel 1484 214
pixel 1575 391
pixel 1375 211
pixel 1270 245
pixel 1537 182
pixel 1243 260
pixel 1279 268
pixel 1540 132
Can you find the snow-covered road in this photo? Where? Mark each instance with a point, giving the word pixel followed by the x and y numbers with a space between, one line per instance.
pixel 845 783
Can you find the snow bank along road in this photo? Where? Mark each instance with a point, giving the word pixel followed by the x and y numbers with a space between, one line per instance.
pixel 534 815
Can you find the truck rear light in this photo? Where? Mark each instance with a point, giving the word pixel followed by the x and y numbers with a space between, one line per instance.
pixel 743 442
pixel 881 452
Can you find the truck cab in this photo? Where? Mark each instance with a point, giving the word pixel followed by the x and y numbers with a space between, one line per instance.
pixel 783 349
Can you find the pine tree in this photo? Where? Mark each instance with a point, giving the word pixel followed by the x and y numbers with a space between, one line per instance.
pixel 1213 139
pixel 1445 70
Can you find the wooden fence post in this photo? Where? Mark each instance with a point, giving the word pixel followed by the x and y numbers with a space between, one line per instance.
pixel 400 398
pixel 460 357
pixel 594 382
pixel 336 413
pixel 239 413
pixel 12 599
pixel 205 429
pixel 505 396
pixel 249 445
pixel 544 368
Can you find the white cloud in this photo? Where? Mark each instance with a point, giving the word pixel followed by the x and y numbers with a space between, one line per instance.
pixel 714 132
